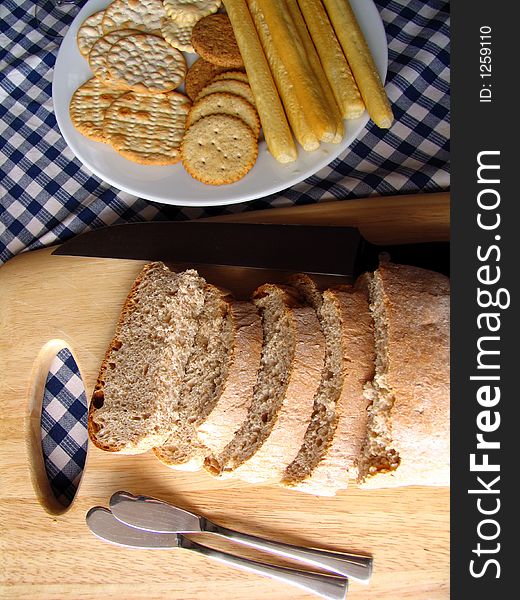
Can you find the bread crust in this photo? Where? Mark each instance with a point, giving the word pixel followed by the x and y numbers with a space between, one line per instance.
pixel 417 304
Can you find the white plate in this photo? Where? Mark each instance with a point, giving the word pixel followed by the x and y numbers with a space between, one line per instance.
pixel 171 184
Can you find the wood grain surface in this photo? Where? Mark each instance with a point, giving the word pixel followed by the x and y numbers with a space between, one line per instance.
pixel 48 301
pixel 384 220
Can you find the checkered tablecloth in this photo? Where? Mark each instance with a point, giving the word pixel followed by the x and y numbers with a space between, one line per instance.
pixel 48 196
pixel 64 426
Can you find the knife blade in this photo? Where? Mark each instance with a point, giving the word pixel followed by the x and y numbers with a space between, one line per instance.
pixel 104 525
pixel 308 248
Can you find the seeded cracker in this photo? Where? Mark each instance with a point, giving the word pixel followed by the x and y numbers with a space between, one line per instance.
pixel 146 63
pixel 228 104
pixel 147 128
pixel 219 149
pixel 232 86
pixel 89 32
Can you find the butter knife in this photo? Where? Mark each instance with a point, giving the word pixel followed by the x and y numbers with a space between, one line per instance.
pixel 104 525
pixel 151 514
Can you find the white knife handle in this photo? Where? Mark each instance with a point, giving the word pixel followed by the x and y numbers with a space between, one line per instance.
pixel 326 586
pixel 354 566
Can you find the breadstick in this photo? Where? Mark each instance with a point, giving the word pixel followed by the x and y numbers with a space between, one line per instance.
pixel 304 83
pixel 361 62
pixel 277 132
pixel 294 110
pixel 332 58
pixel 317 68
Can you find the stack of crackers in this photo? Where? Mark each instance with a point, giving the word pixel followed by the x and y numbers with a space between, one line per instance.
pixel 135 51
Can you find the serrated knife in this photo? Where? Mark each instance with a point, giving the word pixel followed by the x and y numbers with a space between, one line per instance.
pixel 242 256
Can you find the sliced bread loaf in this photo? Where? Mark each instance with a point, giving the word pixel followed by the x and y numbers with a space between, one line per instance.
pixel 409 415
pixel 137 391
pixel 333 441
pixel 218 385
pixel 291 364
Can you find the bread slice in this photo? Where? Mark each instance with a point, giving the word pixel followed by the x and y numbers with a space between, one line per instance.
pixel 291 364
pixel 218 384
pixel 409 416
pixel 137 391
pixel 221 424
pixel 329 455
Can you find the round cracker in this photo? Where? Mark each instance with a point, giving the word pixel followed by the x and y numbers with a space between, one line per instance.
pixel 88 106
pixel 219 149
pixel 188 12
pixel 199 75
pixel 147 128
pixel 214 40
pixel 238 75
pixel 227 104
pixel 89 32
pixel 177 35
pixel 144 15
pixel 232 86
pixel 146 63
pixel 99 51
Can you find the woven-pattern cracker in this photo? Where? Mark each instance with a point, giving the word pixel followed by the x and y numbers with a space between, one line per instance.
pixel 145 15
pixel 227 104
pixel 99 51
pixel 232 86
pixel 89 32
pixel 188 12
pixel 146 63
pixel 88 105
pixel 177 35
pixel 147 128
pixel 219 149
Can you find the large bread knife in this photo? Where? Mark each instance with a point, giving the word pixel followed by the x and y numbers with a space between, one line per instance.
pixel 248 254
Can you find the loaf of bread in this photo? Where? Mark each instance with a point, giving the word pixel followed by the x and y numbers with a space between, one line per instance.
pixel 329 454
pixel 299 387
pixel 408 430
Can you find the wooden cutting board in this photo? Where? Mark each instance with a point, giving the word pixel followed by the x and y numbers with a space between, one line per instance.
pixel 49 301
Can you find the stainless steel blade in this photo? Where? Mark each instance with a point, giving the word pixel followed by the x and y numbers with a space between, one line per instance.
pixel 153 515
pixel 104 525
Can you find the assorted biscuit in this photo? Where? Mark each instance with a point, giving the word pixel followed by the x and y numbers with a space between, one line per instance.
pixel 281 70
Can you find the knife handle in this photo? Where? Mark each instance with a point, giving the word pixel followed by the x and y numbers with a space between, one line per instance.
pixel 355 566
pixel 326 586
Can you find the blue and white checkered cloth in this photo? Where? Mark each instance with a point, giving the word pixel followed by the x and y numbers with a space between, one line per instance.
pixel 47 195
pixel 64 426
